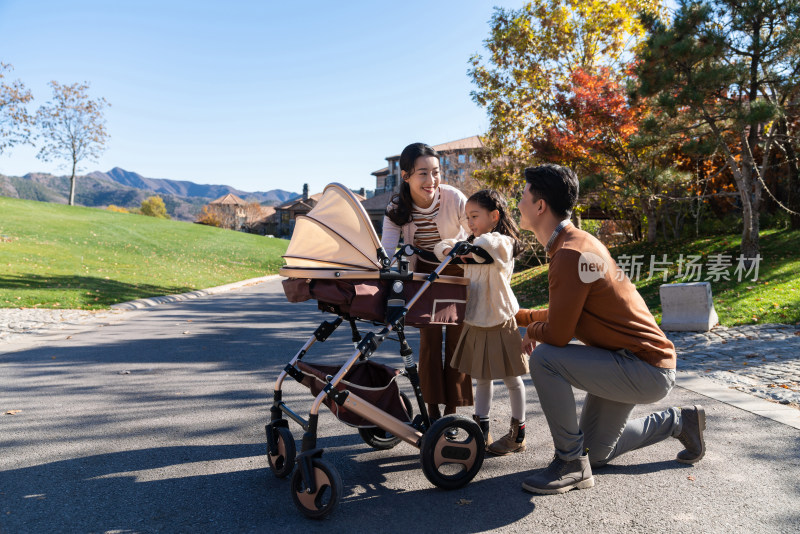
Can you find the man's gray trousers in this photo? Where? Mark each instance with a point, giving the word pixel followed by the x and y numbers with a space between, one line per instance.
pixel 615 382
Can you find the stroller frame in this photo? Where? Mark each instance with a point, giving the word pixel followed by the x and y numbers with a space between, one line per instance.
pixel 453 441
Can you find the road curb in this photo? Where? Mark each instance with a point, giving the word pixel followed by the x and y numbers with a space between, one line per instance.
pixel 155 301
pixel 777 412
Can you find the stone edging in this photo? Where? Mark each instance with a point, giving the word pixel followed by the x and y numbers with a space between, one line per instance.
pixel 155 301
pixel 777 412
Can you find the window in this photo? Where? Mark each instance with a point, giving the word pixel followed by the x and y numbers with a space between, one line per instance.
pixel 462 158
pixel 471 158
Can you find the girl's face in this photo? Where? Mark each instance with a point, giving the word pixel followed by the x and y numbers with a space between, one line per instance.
pixel 423 180
pixel 481 220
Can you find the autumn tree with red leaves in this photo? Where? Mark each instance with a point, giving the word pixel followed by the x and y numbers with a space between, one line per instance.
pixel 598 134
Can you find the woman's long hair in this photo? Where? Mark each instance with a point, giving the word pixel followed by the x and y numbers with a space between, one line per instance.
pixel 399 208
pixel 491 200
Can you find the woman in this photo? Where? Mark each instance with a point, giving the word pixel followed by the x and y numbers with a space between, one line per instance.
pixel 424 212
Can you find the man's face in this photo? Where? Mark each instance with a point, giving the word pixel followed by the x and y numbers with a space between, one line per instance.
pixel 528 210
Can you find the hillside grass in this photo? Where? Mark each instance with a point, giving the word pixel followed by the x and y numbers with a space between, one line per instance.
pixel 773 297
pixel 57 256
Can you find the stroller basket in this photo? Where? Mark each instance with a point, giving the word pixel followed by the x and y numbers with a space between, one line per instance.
pixel 374 382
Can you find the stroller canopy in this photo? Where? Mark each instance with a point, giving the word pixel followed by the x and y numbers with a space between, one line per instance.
pixel 336 233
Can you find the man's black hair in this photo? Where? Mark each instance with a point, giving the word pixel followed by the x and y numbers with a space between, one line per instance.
pixel 557 185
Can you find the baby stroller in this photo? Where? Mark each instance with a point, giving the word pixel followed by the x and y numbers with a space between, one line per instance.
pixel 335 258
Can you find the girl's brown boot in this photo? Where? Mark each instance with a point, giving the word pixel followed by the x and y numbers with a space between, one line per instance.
pixel 512 442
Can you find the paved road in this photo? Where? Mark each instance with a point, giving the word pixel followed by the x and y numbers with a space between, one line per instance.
pixel 153 422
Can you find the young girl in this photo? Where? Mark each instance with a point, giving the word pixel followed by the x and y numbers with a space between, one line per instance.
pixel 424 212
pixel 490 344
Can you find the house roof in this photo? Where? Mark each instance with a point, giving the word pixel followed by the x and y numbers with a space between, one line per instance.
pixel 297 202
pixel 267 213
pixel 460 144
pixel 228 200
pixel 380 172
pixel 378 202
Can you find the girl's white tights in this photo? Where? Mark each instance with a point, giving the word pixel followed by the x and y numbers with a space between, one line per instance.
pixel 484 390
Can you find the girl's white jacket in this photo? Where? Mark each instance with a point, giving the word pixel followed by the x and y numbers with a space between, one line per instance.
pixel 491 301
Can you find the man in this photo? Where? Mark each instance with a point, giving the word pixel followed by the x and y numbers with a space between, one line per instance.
pixel 625 358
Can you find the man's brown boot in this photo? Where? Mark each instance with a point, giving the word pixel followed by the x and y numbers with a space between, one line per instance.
pixel 512 442
pixel 483 422
pixel 693 424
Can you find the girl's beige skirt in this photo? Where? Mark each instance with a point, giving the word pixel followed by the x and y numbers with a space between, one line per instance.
pixel 490 352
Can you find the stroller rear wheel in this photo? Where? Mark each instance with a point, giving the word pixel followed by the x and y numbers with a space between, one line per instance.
pixel 378 438
pixel 282 463
pixel 329 488
pixel 452 451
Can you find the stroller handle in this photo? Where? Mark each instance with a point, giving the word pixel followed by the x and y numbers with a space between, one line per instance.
pixel 461 248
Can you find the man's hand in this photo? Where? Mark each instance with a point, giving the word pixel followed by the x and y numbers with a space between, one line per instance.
pixel 528 344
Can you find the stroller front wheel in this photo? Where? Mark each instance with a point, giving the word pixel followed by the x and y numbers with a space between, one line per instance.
pixel 329 488
pixel 452 451
pixel 282 463
pixel 378 438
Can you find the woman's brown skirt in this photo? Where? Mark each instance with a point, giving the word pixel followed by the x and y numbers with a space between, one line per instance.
pixel 491 352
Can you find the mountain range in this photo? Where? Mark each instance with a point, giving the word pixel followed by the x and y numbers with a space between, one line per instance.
pixel 183 199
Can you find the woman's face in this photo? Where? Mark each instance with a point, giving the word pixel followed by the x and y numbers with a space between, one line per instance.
pixel 423 180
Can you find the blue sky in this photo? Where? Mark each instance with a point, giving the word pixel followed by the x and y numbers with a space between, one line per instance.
pixel 258 95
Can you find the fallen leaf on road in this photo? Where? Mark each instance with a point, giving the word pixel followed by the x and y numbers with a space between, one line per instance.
pixel 462 502
pixel 187 332
pixel 12 412
pixel 690 477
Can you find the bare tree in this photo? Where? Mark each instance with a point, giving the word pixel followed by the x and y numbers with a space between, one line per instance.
pixel 254 213
pixel 15 123
pixel 73 127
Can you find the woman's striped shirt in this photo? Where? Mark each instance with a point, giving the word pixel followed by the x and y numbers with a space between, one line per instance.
pixel 426 235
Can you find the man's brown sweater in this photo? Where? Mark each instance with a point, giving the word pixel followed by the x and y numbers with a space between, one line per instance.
pixel 592 300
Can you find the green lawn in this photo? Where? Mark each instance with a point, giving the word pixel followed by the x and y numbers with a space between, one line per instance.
pixel 774 297
pixel 57 256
